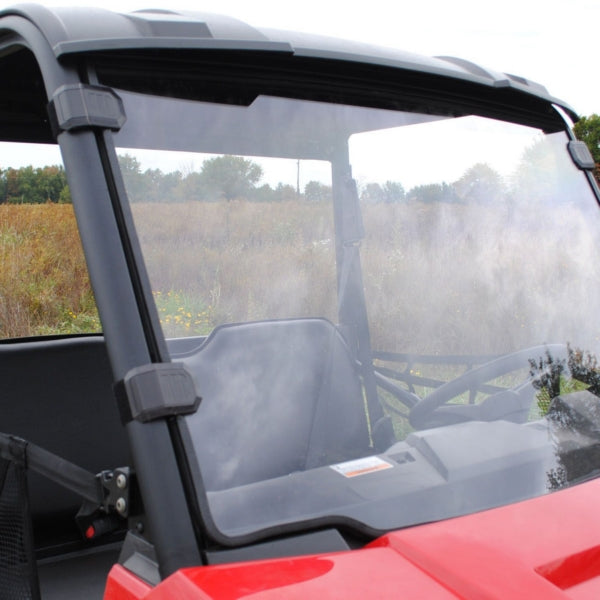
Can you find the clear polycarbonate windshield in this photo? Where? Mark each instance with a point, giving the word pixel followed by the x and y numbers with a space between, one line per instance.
pixel 390 316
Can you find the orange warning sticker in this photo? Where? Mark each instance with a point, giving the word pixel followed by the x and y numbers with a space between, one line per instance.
pixel 361 466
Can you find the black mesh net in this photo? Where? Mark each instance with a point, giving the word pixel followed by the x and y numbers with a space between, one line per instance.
pixel 18 575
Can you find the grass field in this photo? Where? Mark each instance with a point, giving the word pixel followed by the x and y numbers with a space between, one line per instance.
pixel 44 287
pixel 439 278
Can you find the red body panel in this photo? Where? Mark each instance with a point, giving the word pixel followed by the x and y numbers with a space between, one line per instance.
pixel 548 547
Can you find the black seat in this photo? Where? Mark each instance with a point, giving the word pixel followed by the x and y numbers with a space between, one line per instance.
pixel 277 397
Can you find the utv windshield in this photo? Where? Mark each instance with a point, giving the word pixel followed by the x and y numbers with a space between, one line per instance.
pixel 390 316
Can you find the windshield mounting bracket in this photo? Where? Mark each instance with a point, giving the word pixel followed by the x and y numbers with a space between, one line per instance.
pixel 80 106
pixel 156 391
pixel 581 155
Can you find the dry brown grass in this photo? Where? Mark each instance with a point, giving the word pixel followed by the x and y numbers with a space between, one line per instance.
pixel 44 287
pixel 244 260
pixel 440 279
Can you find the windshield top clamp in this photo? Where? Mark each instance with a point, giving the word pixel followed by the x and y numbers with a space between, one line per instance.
pixel 78 106
pixel 581 155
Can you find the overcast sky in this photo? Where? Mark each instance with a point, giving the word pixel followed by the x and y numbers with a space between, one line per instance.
pixel 549 41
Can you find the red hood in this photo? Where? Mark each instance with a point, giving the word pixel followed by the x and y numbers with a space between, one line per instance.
pixel 546 548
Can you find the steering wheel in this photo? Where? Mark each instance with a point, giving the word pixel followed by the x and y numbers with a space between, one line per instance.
pixel 511 404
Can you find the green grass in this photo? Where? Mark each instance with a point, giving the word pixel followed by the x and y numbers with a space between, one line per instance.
pixel 183 315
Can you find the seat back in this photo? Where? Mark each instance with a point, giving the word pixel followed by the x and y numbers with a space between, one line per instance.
pixel 277 397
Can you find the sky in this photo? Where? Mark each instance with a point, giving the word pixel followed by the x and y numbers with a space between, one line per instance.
pixel 548 41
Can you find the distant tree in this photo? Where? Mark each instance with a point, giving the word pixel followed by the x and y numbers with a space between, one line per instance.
pixel 480 183
pixel 372 193
pixel 230 177
pixel 12 186
pixel 129 164
pixel 539 175
pixel 389 192
pixel 393 192
pixel 51 181
pixel 433 192
pixel 65 196
pixel 315 191
pixel 151 185
pixel 191 187
pixel 587 129
pixel 29 185
pixel 161 187
pixel 264 193
pixel 285 192
pixel 131 169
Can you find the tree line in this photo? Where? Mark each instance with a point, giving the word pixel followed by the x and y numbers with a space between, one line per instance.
pixel 587 129
pixel 230 177
pixel 31 185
